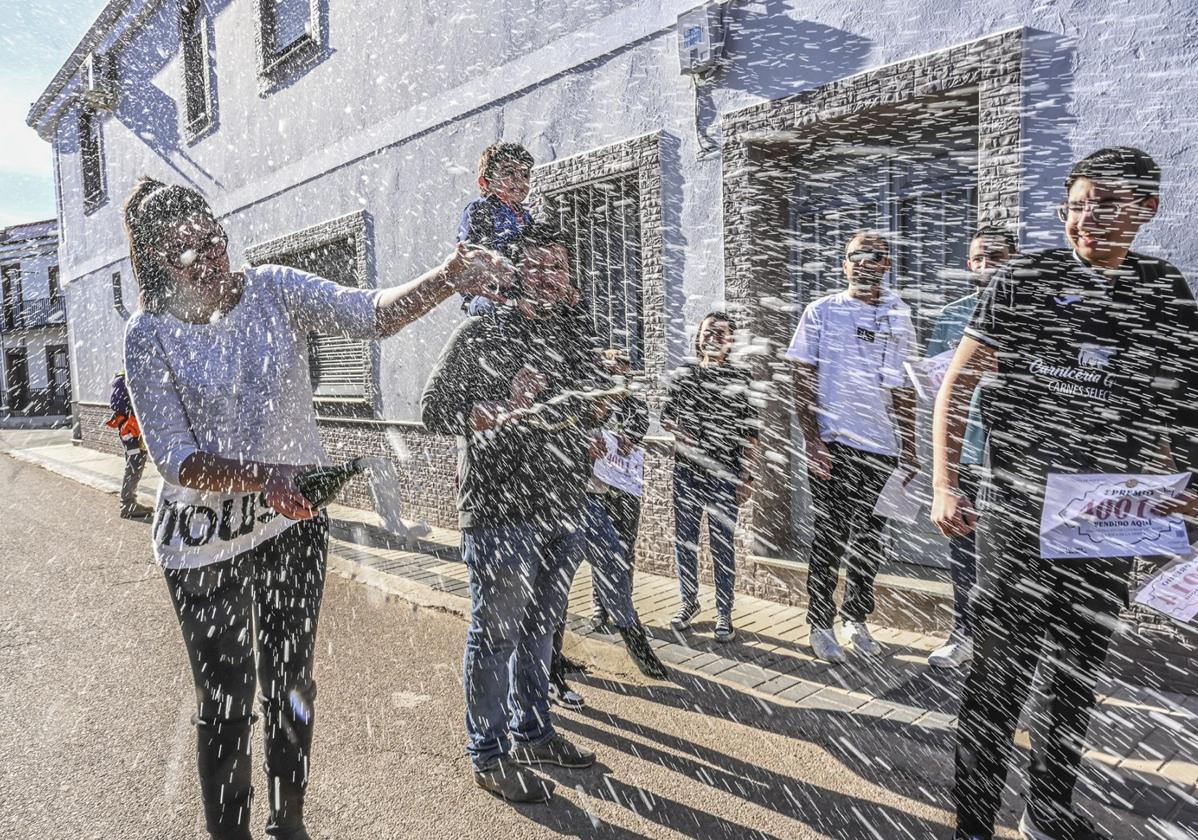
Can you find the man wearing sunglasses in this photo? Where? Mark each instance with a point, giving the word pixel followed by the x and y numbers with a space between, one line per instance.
pixel 1091 349
pixel 858 421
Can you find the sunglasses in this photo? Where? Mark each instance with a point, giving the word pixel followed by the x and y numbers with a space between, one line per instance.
pixel 865 255
pixel 215 245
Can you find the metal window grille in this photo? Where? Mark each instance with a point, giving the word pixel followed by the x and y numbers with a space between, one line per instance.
pixel 602 224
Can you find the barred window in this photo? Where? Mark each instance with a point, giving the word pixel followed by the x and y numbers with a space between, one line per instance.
pixel 602 224
pixel 193 27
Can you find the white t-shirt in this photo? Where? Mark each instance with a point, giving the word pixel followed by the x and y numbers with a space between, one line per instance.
pixel 623 472
pixel 236 388
pixel 858 351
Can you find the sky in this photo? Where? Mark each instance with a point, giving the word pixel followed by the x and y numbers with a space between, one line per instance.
pixel 36 40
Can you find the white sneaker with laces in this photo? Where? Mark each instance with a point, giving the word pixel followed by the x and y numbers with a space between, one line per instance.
pixel 860 638
pixel 952 656
pixel 825 646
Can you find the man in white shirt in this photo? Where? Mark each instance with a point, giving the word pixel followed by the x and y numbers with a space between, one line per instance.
pixel 858 420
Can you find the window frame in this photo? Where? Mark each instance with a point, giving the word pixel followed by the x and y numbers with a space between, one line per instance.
pixel 91 147
pixel 193 14
pixel 279 65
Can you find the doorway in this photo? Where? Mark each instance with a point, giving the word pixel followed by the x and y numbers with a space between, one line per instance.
pixel 16 377
pixel 911 175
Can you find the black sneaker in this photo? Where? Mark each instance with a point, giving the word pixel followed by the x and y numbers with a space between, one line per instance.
pixel 599 618
pixel 557 750
pixel 511 782
pixel 560 694
pixel 724 631
pixel 685 615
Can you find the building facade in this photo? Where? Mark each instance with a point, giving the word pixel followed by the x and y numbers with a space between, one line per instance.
pixel 35 372
pixel 342 137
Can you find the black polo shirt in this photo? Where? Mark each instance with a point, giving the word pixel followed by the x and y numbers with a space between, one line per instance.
pixel 1094 368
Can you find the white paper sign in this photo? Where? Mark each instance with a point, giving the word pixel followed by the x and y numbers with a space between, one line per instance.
pixel 1110 515
pixel 903 502
pixel 1174 591
pixel 624 472
pixel 927 374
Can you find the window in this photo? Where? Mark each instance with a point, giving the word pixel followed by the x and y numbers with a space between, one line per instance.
pixel 340 367
pixel 602 220
pixel 55 288
pixel 91 156
pixel 118 296
pixel 291 37
pixel 193 28
pixel 287 22
pixel 12 296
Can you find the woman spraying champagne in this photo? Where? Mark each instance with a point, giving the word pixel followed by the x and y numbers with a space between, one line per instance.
pixel 218 369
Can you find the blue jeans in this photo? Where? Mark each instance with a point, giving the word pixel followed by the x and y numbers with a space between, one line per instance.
pixel 520 574
pixel 696 490
pixel 610 564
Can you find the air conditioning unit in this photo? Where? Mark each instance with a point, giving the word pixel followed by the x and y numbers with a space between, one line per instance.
pixel 99 81
pixel 701 39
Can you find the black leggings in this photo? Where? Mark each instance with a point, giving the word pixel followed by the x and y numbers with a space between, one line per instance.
pixel 270 593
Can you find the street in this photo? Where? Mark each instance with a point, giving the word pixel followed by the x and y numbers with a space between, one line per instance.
pixel 97 697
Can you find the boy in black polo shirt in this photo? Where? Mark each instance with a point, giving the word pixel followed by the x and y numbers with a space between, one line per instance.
pixel 1093 353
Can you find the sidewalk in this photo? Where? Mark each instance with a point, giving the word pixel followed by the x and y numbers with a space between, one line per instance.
pixel 1145 755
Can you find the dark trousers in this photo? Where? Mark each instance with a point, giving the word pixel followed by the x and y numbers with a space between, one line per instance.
pixel 1057 614
pixel 274 588
pixel 963 559
pixel 625 512
pixel 845 526
pixel 696 490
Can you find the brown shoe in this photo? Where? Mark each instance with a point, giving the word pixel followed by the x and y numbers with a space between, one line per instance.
pixel 137 512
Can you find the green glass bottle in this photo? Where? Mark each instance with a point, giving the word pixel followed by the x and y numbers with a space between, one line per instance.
pixel 320 485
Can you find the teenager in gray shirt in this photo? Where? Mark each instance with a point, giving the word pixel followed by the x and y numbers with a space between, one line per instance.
pixel 218 369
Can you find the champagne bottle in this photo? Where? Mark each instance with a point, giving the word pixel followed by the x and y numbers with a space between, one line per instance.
pixel 320 485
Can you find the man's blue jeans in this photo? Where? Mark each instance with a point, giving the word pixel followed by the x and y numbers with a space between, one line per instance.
pixel 520 574
pixel 696 490
pixel 610 564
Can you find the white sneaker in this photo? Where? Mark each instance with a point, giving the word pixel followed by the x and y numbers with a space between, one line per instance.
pixel 824 643
pixel 952 656
pixel 860 638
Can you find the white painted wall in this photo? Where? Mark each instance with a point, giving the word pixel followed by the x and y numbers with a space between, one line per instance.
pixel 394 118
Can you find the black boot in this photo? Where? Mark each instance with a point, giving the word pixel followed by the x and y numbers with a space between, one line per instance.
pixel 223 756
pixel 288 739
pixel 642 652
pixel 286 811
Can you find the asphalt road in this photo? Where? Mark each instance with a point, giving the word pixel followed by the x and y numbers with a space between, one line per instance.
pixel 95 699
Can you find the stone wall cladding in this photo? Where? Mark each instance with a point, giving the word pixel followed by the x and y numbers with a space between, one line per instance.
pixel 91 418
pixel 426 463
